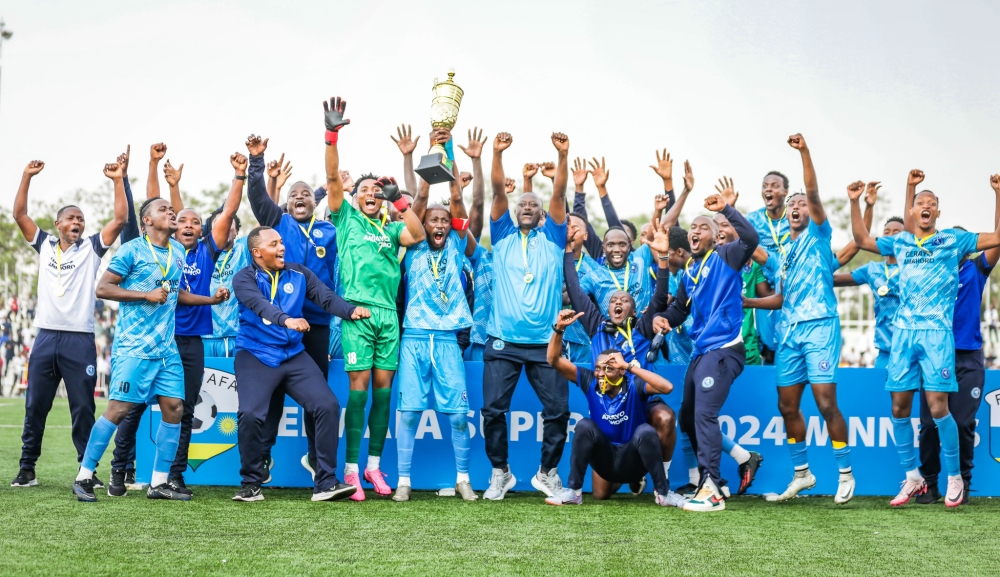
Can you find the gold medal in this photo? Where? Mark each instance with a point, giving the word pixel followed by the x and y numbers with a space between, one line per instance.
pixel 882 291
pixel 266 322
pixel 59 290
pixel 320 251
pixel 166 285
pixel 528 277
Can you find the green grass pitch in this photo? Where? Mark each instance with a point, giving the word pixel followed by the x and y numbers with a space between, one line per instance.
pixel 45 531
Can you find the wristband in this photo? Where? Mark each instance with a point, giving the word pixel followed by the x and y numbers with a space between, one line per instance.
pixel 460 224
pixel 331 137
pixel 661 257
pixel 238 177
pixel 557 329
pixel 401 204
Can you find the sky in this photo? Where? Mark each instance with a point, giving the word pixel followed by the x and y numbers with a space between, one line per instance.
pixel 876 88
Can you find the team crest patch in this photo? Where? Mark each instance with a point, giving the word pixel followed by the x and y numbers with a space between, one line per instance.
pixel 746 268
pixel 465 397
pixel 317 233
pixel 90 370
pixel 707 383
pixel 976 392
pixel 824 365
pixel 498 345
pixel 705 272
pixel 533 243
pixel 946 373
pixel 937 241
pixel 288 288
pixel 993 400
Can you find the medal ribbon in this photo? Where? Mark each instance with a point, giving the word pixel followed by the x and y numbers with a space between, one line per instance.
pixel 229 253
pixel 887 275
pixel 59 263
pixel 379 227
pixel 170 256
pixel 652 273
pixel 696 279
pixel 524 251
pixel 628 337
pixel 921 241
pixel 274 283
pixel 774 231
pixel 579 261
pixel 628 266
pixel 306 231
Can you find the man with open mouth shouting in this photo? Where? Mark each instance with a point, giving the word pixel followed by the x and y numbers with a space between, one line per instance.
pixel 712 293
pixel 771 224
pixel 923 346
pixel 369 274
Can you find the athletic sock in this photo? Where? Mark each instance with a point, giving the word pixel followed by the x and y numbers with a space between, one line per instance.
pixel 350 468
pixel 403 482
pixel 842 453
pixel 948 433
pixel 462 477
pixel 902 431
pixel 378 420
pixel 460 440
pixel 373 463
pixel 800 460
pixel 913 475
pixel 666 469
pixel 408 422
pixel 354 424
pixel 738 453
pixel 100 437
pixel 168 435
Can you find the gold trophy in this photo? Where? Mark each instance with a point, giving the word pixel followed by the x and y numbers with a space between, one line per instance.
pixel 446 99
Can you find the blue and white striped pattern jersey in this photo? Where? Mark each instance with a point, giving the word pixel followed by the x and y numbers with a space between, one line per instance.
pixel 603 281
pixel 928 275
pixel 680 346
pixel 482 306
pixel 436 303
pixel 874 275
pixel 807 276
pixel 145 329
pixel 575 333
pixel 772 232
pixel 226 315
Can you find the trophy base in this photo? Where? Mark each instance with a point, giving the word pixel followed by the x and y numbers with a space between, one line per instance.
pixel 434 170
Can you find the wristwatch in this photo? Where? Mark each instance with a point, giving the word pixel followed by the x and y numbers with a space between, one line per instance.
pixel 557 329
pixel 238 177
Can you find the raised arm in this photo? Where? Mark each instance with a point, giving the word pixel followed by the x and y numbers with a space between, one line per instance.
pixel 601 174
pixel 912 180
pixel 224 222
pixel 173 177
pixel 265 210
pixel 333 117
pixel 993 254
pixel 735 254
pixel 156 154
pixel 475 152
pixel 655 384
pixel 111 230
pixel 591 316
pixel 500 205
pixel 862 238
pixel 277 176
pixel 414 231
pixel 816 211
pixel 131 229
pixel 28 227
pixel 528 172
pixel 660 245
pixel 554 352
pixel 557 205
pixel 458 215
pixel 407 145
pixel 420 200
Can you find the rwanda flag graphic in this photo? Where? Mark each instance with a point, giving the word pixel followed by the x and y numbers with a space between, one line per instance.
pixel 213 430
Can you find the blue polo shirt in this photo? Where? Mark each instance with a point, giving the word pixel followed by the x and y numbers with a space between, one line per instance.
pixel 972 276
pixel 523 312
pixel 199 264
pixel 619 416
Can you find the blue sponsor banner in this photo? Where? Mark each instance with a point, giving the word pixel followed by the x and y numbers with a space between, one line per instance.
pixel 750 417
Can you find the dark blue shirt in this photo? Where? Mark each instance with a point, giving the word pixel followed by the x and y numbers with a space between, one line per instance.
pixel 972 276
pixel 618 416
pixel 271 342
pixel 199 262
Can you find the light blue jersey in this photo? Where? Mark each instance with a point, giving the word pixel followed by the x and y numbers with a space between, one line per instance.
pixel 634 277
pixel 680 347
pixel 436 301
pixel 575 333
pixel 482 305
pixel 527 281
pixel 807 276
pixel 146 330
pixel 884 281
pixel 928 275
pixel 775 235
pixel 226 315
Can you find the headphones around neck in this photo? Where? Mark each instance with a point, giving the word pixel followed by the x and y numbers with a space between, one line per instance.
pixel 611 328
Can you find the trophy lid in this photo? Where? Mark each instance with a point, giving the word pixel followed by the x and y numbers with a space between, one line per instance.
pixel 445 102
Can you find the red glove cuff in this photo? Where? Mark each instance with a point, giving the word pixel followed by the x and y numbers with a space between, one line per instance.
pixel 401 205
pixel 460 224
pixel 331 136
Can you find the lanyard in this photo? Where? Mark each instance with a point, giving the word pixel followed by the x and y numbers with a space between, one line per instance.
pixel 628 337
pixel 274 283
pixel 774 232
pixel 218 270
pixel 651 273
pixel 306 231
pixel 436 272
pixel 434 263
pixel 170 256
pixel 59 262
pixel 697 278
pixel 379 227
pixel 887 275
pixel 524 250
pixel 628 267
pixel 921 241
pixel 579 261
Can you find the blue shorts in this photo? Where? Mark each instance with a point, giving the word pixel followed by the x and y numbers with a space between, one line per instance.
pixel 808 351
pixel 579 354
pixel 475 352
pixel 142 380
pixel 926 355
pixel 222 347
pixel 882 360
pixel 431 367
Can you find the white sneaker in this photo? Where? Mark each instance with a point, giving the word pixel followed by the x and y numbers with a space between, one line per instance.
pixel 671 499
pixel 305 464
pixel 802 481
pixel 500 483
pixel 565 496
pixel 549 483
pixel 708 499
pixel 845 489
